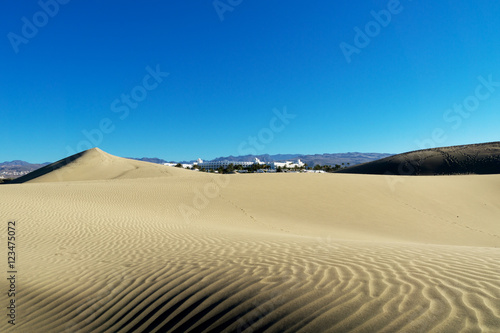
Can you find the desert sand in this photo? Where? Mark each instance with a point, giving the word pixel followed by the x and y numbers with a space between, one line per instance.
pixel 107 244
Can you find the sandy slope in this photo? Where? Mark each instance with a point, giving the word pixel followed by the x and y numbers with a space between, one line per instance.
pixel 284 252
pixel 95 164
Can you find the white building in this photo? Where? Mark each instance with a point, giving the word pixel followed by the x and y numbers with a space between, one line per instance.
pixel 287 164
pixel 214 165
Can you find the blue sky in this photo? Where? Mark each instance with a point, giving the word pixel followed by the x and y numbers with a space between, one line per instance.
pixel 235 66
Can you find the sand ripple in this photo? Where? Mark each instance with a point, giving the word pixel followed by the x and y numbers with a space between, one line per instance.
pixel 117 257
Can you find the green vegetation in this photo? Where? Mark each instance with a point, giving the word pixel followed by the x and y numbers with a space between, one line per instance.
pixel 328 168
pixel 231 168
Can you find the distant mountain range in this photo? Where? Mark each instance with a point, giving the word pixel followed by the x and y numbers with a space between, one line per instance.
pixel 18 168
pixel 21 164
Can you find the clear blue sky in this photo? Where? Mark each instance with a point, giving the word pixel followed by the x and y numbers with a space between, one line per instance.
pixel 231 66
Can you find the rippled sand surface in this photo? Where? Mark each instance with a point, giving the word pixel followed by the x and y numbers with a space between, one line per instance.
pixel 149 248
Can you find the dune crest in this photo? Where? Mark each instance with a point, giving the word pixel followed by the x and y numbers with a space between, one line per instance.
pixel 95 164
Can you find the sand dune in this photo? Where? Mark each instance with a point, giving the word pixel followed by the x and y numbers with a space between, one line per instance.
pixel 481 158
pixel 95 164
pixel 182 251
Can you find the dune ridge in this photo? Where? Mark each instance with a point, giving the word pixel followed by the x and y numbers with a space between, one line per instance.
pixel 273 253
pixel 95 164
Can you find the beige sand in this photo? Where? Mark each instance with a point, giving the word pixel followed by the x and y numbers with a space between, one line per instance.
pixel 150 248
